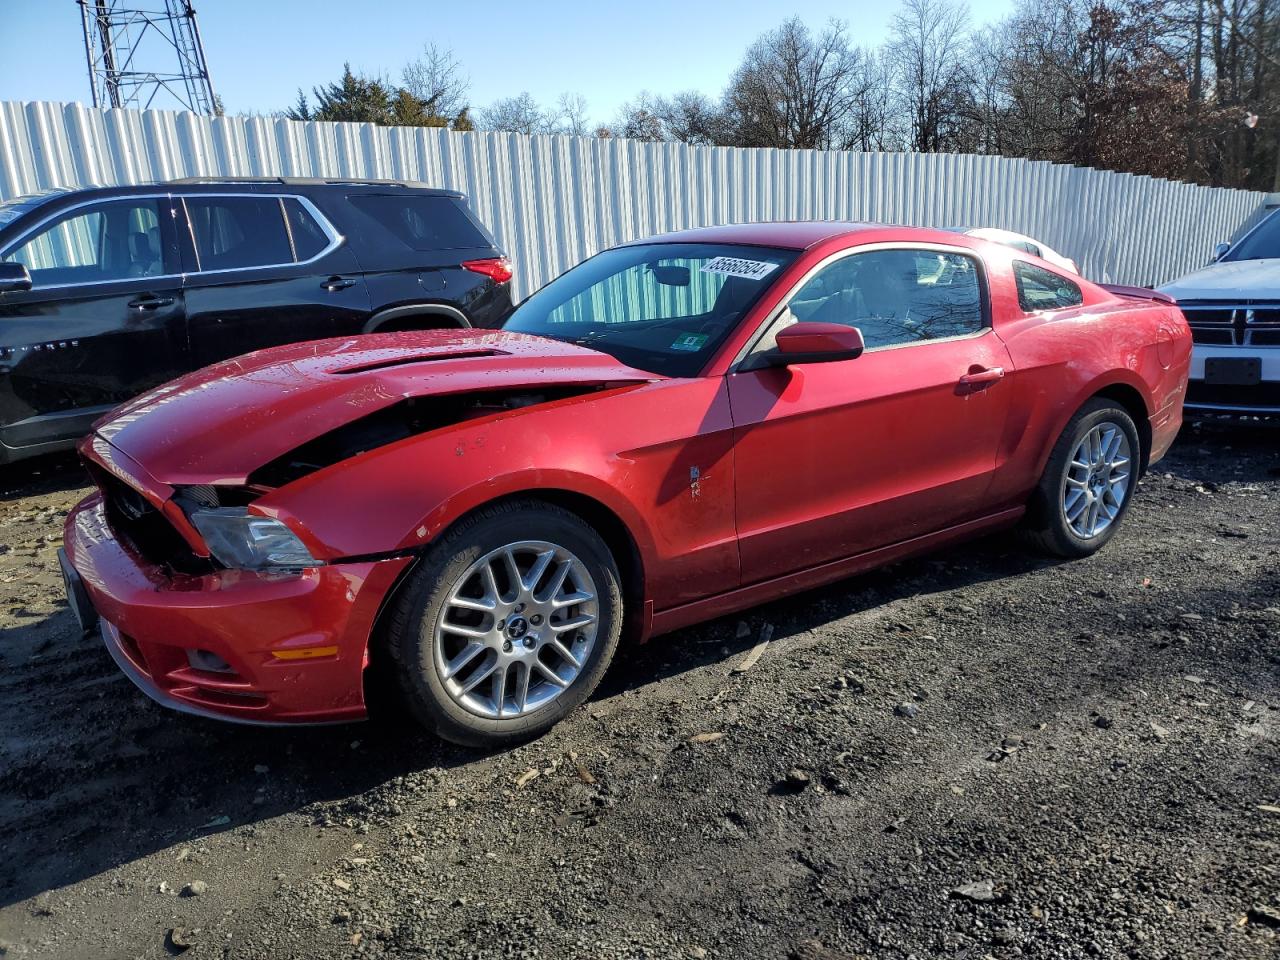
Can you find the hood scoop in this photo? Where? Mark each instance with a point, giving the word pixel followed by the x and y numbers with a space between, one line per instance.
pixel 401 360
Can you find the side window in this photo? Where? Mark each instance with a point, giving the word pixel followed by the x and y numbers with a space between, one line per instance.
pixel 116 240
pixel 423 223
pixel 309 238
pixel 1040 289
pixel 896 296
pixel 232 233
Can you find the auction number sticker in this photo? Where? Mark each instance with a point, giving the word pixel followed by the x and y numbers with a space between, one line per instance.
pixel 691 342
pixel 737 267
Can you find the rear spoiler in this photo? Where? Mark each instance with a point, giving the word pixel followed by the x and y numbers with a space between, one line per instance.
pixel 1137 293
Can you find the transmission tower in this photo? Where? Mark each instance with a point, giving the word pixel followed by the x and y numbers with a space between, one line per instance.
pixel 136 56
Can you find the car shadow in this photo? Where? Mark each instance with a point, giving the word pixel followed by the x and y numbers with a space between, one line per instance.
pixel 51 473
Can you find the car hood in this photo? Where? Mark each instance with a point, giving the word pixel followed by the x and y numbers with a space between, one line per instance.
pixel 1232 280
pixel 219 424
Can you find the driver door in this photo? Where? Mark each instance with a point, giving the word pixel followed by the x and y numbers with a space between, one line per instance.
pixel 836 459
pixel 102 322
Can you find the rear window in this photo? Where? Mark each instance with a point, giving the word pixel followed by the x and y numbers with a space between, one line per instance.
pixel 423 223
pixel 1040 289
pixel 234 233
pixel 309 238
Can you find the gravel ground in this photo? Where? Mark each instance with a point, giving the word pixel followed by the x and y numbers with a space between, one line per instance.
pixel 975 754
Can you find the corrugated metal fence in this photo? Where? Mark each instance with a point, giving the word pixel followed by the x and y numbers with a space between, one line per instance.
pixel 552 201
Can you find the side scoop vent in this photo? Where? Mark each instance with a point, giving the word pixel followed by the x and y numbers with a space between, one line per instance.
pixel 403 361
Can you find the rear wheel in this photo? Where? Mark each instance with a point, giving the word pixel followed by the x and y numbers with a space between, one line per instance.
pixel 509 623
pixel 1088 482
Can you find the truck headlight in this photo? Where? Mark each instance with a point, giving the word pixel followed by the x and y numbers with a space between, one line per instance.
pixel 244 541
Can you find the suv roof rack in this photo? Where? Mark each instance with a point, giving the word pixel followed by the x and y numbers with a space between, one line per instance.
pixel 312 181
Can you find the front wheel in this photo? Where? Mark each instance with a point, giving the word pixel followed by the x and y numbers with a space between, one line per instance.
pixel 507 625
pixel 1088 482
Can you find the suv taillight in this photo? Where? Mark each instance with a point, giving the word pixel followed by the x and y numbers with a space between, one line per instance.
pixel 497 269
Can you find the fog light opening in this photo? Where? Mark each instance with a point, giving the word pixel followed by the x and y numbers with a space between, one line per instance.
pixel 208 662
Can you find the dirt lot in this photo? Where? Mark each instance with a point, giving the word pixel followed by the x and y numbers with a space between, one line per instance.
pixel 970 755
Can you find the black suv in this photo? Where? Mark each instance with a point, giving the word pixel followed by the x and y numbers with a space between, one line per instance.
pixel 106 292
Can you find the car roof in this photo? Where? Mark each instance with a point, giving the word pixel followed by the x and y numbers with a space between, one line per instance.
pixel 790 234
pixel 300 185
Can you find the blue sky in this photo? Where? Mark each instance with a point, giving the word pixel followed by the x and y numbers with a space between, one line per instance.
pixel 261 51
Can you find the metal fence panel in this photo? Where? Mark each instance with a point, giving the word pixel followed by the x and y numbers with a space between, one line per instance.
pixel 553 201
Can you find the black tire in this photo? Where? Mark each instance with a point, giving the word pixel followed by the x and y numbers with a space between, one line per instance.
pixel 1046 527
pixel 419 605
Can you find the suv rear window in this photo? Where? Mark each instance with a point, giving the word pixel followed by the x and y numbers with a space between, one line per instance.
pixel 1040 289
pixel 423 223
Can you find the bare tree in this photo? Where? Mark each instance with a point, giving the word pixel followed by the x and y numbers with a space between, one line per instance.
pixel 927 45
pixel 518 114
pixel 692 117
pixel 795 88
pixel 571 115
pixel 639 119
pixel 436 78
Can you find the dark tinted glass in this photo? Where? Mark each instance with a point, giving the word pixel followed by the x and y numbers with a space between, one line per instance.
pixel 232 233
pixel 1040 289
pixel 896 296
pixel 423 223
pixel 1262 244
pixel 308 237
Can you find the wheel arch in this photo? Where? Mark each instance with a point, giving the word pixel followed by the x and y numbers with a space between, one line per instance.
pixel 1133 402
pixel 395 318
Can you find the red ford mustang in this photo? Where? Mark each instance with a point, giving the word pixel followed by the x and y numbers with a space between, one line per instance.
pixel 673 430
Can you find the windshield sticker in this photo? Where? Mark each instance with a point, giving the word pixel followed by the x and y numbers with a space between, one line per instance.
pixel 736 267
pixel 691 342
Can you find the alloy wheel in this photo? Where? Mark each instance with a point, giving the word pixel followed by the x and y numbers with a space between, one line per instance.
pixel 1098 480
pixel 516 629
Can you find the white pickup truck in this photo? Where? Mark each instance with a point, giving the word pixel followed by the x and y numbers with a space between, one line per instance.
pixel 1233 307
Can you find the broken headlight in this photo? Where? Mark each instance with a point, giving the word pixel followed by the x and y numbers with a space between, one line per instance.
pixel 239 539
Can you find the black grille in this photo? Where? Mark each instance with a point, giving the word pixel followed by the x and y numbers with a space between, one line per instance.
pixel 1244 323
pixel 134 520
pixel 1265 394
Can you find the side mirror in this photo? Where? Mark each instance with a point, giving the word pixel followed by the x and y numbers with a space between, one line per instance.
pixel 1220 251
pixel 808 342
pixel 14 277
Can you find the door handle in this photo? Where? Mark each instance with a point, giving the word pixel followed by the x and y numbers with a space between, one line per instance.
pixel 334 284
pixel 150 303
pixel 982 377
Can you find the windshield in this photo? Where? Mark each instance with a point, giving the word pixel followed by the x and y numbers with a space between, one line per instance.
pixel 662 307
pixel 1262 244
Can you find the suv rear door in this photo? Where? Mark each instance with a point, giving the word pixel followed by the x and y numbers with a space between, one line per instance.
pixel 265 269
pixel 102 322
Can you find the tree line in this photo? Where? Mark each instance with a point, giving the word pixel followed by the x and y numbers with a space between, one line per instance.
pixel 1183 89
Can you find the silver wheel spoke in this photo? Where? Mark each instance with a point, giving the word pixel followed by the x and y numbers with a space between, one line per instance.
pixel 500 687
pixel 530 582
pixel 573 623
pixel 550 674
pixel 479 677
pixel 465 631
pixel 569 599
pixel 565 652
pixel 522 689
pixel 469 653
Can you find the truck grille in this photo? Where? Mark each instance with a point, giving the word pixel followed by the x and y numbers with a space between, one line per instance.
pixel 1244 323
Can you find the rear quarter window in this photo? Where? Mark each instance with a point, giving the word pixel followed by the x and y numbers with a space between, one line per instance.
pixel 1040 289
pixel 424 223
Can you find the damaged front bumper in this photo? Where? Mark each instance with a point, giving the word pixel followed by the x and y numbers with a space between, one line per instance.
pixel 261 648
